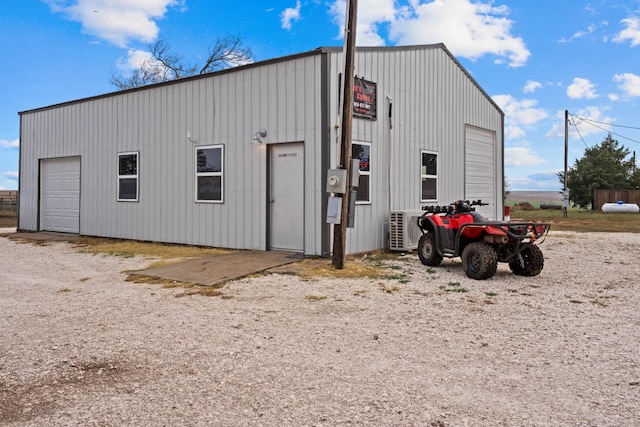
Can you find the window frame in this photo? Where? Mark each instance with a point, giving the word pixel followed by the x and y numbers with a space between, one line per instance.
pixel 425 175
pixel 132 176
pixel 365 173
pixel 205 174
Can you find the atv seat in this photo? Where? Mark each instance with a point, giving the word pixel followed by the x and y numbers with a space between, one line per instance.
pixel 478 217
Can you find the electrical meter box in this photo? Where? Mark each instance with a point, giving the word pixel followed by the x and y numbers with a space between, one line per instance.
pixel 337 181
pixel 355 173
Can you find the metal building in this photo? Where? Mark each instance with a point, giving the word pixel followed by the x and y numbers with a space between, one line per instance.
pixel 174 162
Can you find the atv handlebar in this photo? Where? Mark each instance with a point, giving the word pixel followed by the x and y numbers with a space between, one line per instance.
pixel 455 207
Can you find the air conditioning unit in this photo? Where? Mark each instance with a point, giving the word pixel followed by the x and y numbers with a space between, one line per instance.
pixel 403 230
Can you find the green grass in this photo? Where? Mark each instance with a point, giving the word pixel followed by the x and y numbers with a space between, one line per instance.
pixel 581 220
pixel 453 287
pixel 535 204
pixel 8 217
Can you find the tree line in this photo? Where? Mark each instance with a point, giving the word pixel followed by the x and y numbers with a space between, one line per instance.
pixel 605 166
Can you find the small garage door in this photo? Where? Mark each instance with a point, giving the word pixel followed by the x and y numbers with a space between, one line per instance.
pixel 60 194
pixel 480 168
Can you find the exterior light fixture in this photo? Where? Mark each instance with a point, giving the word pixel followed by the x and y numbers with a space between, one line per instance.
pixel 257 138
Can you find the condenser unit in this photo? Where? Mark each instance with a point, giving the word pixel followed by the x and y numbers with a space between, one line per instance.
pixel 403 230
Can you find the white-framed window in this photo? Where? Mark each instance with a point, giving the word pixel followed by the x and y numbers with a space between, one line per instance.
pixel 128 176
pixel 210 173
pixel 362 152
pixel 428 176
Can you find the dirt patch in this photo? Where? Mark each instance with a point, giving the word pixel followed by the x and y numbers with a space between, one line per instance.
pixel 26 401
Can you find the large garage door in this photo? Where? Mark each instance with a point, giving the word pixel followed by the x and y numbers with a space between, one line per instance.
pixel 480 168
pixel 60 194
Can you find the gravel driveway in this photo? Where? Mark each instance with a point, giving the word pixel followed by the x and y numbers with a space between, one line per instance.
pixel 79 345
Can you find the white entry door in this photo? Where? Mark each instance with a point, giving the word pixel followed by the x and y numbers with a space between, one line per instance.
pixel 287 197
pixel 60 194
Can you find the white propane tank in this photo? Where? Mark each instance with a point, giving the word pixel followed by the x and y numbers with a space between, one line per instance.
pixel 620 206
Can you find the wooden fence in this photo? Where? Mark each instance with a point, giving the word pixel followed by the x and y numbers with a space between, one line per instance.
pixel 600 197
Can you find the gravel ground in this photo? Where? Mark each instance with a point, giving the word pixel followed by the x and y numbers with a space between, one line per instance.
pixel 79 345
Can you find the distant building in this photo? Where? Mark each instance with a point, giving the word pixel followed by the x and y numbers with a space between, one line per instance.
pixel 173 162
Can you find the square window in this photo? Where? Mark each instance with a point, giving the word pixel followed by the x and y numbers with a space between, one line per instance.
pixel 210 188
pixel 209 160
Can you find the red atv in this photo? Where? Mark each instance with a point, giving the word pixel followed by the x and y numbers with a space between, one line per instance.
pixel 458 230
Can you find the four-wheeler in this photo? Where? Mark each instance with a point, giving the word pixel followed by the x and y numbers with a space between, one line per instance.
pixel 458 230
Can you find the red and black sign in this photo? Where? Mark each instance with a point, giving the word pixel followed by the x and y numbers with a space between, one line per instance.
pixel 364 99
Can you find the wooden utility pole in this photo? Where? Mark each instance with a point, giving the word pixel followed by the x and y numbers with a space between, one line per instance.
pixel 340 230
pixel 565 194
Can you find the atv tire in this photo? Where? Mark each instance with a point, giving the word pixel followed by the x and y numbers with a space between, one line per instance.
pixel 479 260
pixel 427 251
pixel 533 262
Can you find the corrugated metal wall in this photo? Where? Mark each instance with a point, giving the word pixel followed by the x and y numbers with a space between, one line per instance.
pixel 433 100
pixel 225 108
pixel 296 100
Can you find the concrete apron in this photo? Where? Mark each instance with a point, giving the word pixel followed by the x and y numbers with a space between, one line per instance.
pixel 217 269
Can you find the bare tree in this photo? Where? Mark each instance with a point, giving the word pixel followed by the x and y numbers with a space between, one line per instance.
pixel 163 65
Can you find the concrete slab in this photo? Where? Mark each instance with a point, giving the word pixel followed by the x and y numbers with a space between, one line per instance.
pixel 215 270
pixel 209 271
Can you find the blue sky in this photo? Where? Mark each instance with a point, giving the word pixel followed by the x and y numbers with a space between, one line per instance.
pixel 534 58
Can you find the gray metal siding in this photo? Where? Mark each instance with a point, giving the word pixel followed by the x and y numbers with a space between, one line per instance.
pixel 226 109
pixel 433 100
pixel 295 99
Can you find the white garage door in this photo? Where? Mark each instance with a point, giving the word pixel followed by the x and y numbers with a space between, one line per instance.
pixel 60 195
pixel 480 168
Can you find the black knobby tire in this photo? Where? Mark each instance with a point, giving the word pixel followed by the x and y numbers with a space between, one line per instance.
pixel 533 262
pixel 427 251
pixel 479 260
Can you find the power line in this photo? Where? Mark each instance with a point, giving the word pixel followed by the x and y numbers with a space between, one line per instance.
pixel 579 134
pixel 592 123
pixel 605 123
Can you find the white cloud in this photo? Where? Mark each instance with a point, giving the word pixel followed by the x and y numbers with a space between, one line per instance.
pixel 579 34
pixel 290 14
pixel 629 83
pixel 519 114
pixel 371 14
pixel 581 89
pixel 531 86
pixel 117 21
pixel 521 156
pixel 631 32
pixel 546 180
pixel 143 60
pixel 514 132
pixel 468 29
pixel 11 175
pixel 135 59
pixel 9 144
